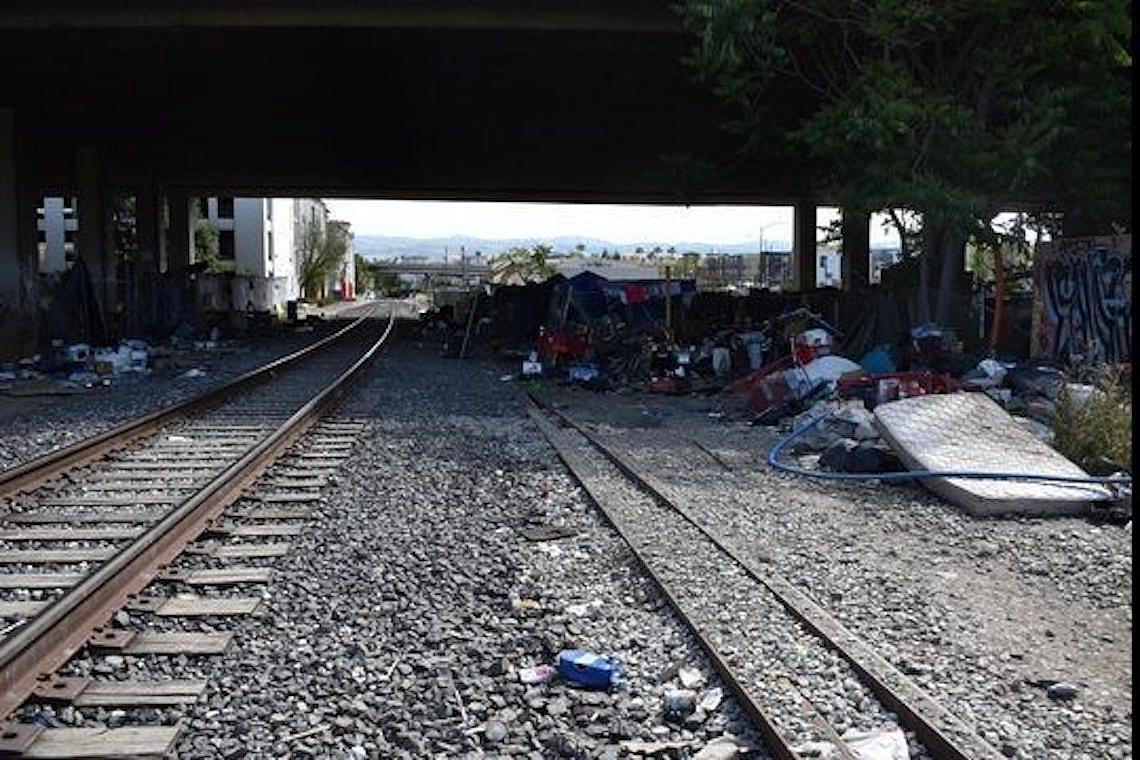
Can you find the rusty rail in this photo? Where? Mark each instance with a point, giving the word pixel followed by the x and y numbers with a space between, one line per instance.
pixel 51 638
pixel 37 471
pixel 944 735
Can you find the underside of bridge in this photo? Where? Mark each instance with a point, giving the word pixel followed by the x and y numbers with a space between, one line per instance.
pixel 584 101
pixel 590 102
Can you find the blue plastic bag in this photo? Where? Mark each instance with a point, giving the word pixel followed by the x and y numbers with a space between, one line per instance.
pixel 587 669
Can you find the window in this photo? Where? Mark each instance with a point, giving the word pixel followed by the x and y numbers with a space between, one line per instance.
pixel 268 208
pixel 203 208
pixel 226 245
pixel 269 245
pixel 225 208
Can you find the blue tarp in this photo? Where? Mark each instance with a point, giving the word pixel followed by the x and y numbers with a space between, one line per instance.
pixel 593 296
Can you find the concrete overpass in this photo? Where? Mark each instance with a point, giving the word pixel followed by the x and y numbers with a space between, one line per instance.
pixel 582 100
pixel 451 269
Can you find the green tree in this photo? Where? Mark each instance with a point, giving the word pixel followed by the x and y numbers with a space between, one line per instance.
pixel 206 246
pixel 528 264
pixel 365 276
pixel 949 108
pixel 323 251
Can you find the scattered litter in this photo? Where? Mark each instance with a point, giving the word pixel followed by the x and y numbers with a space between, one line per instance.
pixel 522 604
pixel 584 373
pixel 587 669
pixel 545 532
pixel 179 438
pixel 191 373
pixel 638 747
pixel 877 744
pixel 821 750
pixel 532 366
pixel 723 748
pixel 691 678
pixel 680 702
pixel 506 378
pixel 536 674
pixel 1062 690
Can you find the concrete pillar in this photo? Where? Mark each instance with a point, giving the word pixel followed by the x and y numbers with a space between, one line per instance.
pixel 148 264
pixel 148 229
pixel 11 275
pixel 18 265
pixel 180 247
pixel 94 226
pixel 55 235
pixel 856 267
pixel 804 235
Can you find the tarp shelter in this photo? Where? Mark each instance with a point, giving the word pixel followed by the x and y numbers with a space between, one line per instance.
pixel 588 296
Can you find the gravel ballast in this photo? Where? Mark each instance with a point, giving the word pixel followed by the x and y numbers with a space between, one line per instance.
pixel 36 425
pixel 984 614
pixel 399 622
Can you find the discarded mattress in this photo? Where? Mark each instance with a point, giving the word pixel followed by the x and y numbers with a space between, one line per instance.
pixel 969 432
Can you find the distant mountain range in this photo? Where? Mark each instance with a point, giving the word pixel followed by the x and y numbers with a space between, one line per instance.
pixel 382 247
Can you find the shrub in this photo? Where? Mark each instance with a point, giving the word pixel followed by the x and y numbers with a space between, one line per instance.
pixel 1098 431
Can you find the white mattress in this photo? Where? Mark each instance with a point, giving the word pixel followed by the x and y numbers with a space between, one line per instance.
pixel 970 432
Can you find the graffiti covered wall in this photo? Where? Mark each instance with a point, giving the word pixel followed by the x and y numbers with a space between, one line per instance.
pixel 1084 299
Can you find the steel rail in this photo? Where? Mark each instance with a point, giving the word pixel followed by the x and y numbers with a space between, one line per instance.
pixel 941 732
pixel 52 637
pixel 777 745
pixel 37 471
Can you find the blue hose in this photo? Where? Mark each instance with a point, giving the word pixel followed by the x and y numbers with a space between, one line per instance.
pixel 774 454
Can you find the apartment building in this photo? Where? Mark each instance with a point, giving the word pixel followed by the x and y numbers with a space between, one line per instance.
pixel 257 242
pixel 259 246
pixel 57 224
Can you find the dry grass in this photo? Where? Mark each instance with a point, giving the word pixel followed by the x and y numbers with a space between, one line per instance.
pixel 1098 430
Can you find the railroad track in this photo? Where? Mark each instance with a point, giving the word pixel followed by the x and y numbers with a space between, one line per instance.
pixel 797 672
pixel 109 546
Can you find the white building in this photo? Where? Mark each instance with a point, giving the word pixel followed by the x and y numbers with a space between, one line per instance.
pixel 259 241
pixel 57 224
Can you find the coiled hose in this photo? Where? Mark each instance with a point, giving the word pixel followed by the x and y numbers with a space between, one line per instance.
pixel 890 477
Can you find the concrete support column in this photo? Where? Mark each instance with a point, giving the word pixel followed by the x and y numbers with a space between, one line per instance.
pixel 856 268
pixel 148 236
pixel 148 228
pixel 94 226
pixel 180 248
pixel 804 235
pixel 11 274
pixel 18 265
pixel 55 235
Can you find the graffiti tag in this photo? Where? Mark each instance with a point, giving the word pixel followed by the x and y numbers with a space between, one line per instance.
pixel 1086 290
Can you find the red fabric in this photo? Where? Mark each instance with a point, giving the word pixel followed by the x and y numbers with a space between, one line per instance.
pixel 636 294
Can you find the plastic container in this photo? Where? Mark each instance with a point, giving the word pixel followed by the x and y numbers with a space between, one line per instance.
pixel 587 669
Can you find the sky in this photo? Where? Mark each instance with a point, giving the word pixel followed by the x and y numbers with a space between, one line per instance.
pixel 622 224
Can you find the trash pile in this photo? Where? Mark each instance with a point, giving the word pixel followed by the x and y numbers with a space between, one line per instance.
pixel 74 368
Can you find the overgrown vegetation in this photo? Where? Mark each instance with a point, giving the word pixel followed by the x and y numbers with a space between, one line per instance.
pixel 947 108
pixel 1096 433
